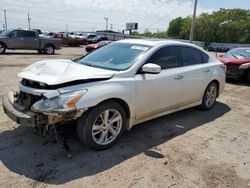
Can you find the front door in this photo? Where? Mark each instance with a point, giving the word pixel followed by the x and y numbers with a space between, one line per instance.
pixel 157 93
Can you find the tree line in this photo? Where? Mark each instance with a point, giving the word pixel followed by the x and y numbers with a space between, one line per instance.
pixel 224 25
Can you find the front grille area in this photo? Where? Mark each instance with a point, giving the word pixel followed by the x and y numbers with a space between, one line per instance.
pixel 26 100
pixel 233 70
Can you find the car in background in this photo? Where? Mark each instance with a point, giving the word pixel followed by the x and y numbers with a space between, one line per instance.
pixel 55 36
pixel 80 35
pixel 89 38
pixel 116 87
pixel 99 38
pixel 93 47
pixel 16 39
pixel 237 61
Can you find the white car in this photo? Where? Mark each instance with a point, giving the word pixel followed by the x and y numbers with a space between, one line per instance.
pixel 116 87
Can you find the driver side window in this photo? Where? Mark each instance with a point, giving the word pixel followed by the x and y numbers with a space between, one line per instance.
pixel 166 57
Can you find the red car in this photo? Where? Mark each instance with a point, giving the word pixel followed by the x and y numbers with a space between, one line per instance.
pixel 92 47
pixel 237 61
pixel 55 35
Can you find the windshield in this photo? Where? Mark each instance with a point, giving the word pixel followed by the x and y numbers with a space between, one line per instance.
pixel 6 32
pixel 117 56
pixel 238 54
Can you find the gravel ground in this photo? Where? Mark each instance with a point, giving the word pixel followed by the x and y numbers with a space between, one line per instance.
pixel 190 148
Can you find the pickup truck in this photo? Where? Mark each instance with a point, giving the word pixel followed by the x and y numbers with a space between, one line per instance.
pixel 27 40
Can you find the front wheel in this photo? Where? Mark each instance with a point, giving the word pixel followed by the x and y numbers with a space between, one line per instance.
pixel 209 97
pixel 102 126
pixel 49 49
pixel 2 48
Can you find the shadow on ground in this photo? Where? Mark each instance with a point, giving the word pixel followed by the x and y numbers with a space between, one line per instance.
pixel 32 156
pixel 240 82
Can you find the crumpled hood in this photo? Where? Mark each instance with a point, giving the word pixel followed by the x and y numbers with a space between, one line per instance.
pixel 53 72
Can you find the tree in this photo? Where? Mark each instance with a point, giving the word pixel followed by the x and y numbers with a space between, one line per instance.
pixel 224 25
pixel 175 26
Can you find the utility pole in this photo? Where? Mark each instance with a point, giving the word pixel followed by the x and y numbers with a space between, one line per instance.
pixel 66 28
pixel 106 20
pixel 29 20
pixel 111 27
pixel 5 19
pixel 193 23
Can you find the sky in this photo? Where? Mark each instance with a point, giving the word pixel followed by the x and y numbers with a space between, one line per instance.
pixel 88 15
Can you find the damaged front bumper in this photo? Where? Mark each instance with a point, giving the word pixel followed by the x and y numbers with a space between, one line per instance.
pixel 33 119
pixel 24 118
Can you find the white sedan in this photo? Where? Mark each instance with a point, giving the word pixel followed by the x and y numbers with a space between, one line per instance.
pixel 116 87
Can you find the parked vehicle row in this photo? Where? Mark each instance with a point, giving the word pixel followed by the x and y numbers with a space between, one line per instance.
pixel 116 87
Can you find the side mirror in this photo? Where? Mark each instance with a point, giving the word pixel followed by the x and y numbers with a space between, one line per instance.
pixel 151 68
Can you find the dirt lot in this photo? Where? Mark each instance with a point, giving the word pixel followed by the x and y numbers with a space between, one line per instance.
pixel 190 148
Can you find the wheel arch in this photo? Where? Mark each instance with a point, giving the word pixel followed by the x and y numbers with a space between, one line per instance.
pixel 124 104
pixel 49 44
pixel 1 42
pixel 217 84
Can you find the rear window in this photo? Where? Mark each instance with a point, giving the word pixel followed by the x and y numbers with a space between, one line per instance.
pixel 21 33
pixel 191 56
pixel 205 57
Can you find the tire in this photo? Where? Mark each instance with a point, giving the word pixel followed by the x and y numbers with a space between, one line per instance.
pixel 94 132
pixel 49 49
pixel 2 48
pixel 209 96
pixel 248 77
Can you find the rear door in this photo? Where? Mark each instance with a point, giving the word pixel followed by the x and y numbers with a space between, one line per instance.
pixel 196 73
pixel 156 93
pixel 31 40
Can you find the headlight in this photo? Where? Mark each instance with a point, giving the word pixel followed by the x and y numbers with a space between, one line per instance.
pixel 64 102
pixel 244 66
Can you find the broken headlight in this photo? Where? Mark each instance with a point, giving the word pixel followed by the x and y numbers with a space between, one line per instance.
pixel 62 103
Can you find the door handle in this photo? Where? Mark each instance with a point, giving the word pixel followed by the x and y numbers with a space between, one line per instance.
pixel 178 77
pixel 207 70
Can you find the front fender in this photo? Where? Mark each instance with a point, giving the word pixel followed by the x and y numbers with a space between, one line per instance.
pixel 120 88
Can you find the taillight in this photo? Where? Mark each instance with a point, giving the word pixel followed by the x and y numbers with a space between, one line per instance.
pixel 223 67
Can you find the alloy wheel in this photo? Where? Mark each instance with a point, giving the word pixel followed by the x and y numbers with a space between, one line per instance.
pixel 210 96
pixel 107 126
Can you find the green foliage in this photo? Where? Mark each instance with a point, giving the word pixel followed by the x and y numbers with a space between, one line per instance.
pixel 175 27
pixel 225 25
pixel 147 33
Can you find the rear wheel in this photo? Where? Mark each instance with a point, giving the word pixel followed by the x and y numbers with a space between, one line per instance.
pixel 102 126
pixel 49 49
pixel 2 48
pixel 209 97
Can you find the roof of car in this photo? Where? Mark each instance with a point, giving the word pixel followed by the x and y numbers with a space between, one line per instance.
pixel 151 42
